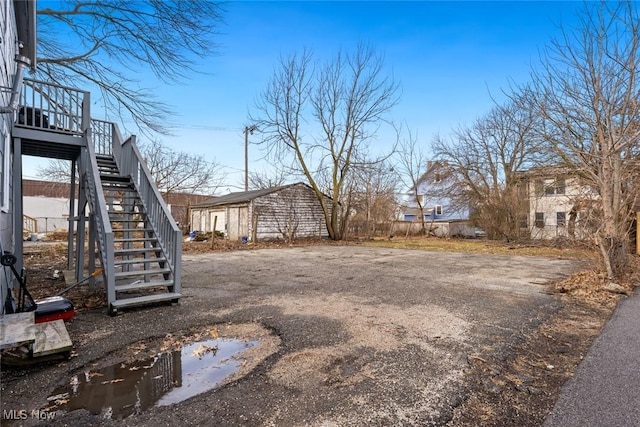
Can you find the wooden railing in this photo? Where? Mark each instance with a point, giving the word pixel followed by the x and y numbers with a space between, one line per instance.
pixel 29 224
pixel 131 163
pixel 90 176
pixel 102 135
pixel 53 107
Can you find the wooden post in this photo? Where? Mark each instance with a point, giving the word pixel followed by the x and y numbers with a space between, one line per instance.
pixel 213 232
pixel 254 227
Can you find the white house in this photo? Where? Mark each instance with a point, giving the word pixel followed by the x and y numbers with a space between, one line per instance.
pixel 432 198
pixel 558 204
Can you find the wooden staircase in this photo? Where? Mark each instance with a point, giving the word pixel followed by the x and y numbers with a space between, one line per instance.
pixel 142 271
pixel 130 227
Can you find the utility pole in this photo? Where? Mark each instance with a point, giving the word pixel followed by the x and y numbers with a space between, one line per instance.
pixel 247 130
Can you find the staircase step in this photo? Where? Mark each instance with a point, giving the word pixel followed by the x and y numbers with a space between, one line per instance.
pixel 117 212
pixel 135 251
pixel 132 217
pixel 116 184
pixel 136 273
pixel 132 230
pixel 114 178
pixel 142 285
pixel 144 300
pixel 129 195
pixel 135 239
pixel 139 261
pixel 106 188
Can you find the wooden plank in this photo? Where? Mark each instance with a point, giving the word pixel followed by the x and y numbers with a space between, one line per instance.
pixel 17 329
pixel 51 338
pixel 141 285
pixel 148 299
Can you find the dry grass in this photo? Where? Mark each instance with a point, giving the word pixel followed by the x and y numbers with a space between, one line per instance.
pixel 556 249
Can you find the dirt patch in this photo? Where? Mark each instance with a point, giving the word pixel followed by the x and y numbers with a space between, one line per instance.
pixel 45 264
pixel 522 388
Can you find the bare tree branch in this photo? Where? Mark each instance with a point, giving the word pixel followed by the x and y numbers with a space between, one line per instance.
pixel 108 43
pixel 173 171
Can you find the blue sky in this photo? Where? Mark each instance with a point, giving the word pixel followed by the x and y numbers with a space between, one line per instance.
pixel 449 58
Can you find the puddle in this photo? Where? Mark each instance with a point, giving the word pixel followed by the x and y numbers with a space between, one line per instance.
pixel 121 390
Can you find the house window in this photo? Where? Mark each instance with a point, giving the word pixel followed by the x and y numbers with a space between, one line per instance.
pixel 540 219
pixel 554 186
pixel 438 209
pixel 561 219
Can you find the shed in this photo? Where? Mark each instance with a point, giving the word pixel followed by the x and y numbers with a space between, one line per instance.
pixel 283 212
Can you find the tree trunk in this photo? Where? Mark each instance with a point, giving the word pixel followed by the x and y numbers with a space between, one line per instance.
pixel 614 256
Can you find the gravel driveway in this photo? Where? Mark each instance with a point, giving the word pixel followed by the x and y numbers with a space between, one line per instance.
pixel 359 336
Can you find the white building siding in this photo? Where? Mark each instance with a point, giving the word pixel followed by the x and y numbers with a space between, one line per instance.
pixel 52 213
pixel 551 206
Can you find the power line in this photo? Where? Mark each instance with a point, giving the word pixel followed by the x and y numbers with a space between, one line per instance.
pixel 206 127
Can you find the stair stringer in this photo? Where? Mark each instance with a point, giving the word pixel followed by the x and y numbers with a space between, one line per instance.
pixel 91 192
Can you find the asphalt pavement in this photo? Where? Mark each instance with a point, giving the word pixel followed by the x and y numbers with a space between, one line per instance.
pixel 605 388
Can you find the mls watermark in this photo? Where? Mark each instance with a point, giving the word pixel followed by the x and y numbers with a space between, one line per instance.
pixel 24 414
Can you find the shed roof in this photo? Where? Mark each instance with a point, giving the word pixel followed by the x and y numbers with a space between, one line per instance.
pixel 241 196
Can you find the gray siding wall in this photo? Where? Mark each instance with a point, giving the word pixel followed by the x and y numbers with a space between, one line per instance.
pixel 294 210
pixel 8 50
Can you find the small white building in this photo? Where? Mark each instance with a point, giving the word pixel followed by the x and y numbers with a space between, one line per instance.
pixel 284 212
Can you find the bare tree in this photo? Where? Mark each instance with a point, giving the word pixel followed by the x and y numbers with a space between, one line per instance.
pixel 485 158
pixel 374 204
pixel 412 165
pixel 274 177
pixel 56 170
pixel 108 43
pixel 587 92
pixel 180 172
pixel 173 171
pixel 323 118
